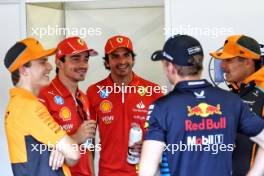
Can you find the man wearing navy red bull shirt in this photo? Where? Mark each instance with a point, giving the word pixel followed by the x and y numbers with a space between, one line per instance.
pixel 196 124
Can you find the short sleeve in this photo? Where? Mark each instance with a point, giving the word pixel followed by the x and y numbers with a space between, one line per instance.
pixel 250 123
pixel 155 124
pixel 38 122
pixel 158 95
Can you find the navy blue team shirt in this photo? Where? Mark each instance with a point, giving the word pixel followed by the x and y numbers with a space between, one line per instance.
pixel 198 123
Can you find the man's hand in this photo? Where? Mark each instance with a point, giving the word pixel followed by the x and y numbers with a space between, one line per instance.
pixel 85 131
pixel 257 169
pixel 56 159
pixel 150 157
pixel 137 147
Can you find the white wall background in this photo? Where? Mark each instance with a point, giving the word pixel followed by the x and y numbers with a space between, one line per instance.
pixel 42 23
pixel 208 21
pixel 9 34
pixel 212 21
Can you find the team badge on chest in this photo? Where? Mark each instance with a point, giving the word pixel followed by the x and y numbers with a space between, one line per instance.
pixel 58 100
pixel 65 114
pixel 106 106
pixel 104 93
pixel 108 119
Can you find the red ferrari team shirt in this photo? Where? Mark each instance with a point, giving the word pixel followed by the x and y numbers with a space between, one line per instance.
pixel 115 110
pixel 68 112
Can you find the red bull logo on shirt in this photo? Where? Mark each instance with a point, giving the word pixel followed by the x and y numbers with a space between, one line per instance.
pixel 203 110
pixel 205 124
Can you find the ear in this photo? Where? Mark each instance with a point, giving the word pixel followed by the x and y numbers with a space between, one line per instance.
pixel 250 66
pixel 58 63
pixel 107 64
pixel 171 68
pixel 133 62
pixel 23 71
pixel 250 62
pixel 174 70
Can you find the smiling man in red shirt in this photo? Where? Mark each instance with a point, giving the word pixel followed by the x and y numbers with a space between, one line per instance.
pixel 118 102
pixel 67 103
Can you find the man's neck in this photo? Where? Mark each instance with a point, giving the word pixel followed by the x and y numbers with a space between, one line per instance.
pixel 238 84
pixel 122 80
pixel 69 84
pixel 35 91
pixel 249 71
pixel 186 78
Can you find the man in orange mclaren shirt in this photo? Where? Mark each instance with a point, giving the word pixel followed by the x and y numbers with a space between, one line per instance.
pixel 117 102
pixel 30 129
pixel 67 103
pixel 243 68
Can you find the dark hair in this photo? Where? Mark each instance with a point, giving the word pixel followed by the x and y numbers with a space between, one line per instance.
pixel 106 59
pixel 195 69
pixel 258 64
pixel 15 75
pixel 62 59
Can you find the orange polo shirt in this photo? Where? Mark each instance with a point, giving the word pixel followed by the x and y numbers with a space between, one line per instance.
pixel 28 126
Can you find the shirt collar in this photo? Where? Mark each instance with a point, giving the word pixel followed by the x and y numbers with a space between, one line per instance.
pixel 134 82
pixel 192 84
pixel 61 89
pixel 21 92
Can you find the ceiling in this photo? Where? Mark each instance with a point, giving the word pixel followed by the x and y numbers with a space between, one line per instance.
pixel 95 4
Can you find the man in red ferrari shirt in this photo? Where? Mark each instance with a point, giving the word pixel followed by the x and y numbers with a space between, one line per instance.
pixel 117 102
pixel 67 103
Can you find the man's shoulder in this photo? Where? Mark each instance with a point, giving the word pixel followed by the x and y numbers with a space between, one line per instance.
pixel 102 82
pixel 95 86
pixel 25 105
pixel 260 86
pixel 23 100
pixel 48 94
pixel 48 90
pixel 210 92
pixel 219 94
pixel 165 100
